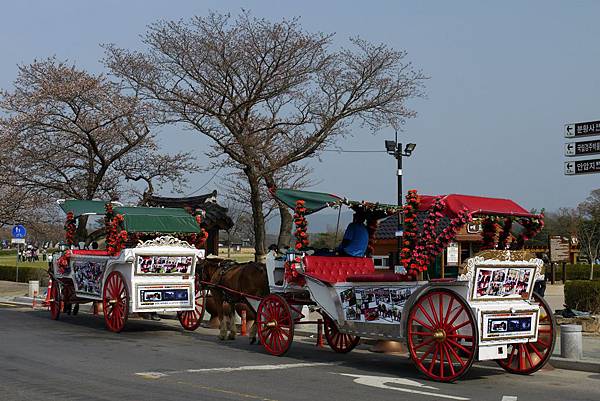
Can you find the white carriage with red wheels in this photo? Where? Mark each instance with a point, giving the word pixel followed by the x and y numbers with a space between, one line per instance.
pixel 147 266
pixel 489 312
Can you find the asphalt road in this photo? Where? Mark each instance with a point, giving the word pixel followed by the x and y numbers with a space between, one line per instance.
pixel 77 359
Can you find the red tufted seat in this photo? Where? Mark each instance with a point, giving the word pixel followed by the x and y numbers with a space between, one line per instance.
pixel 337 269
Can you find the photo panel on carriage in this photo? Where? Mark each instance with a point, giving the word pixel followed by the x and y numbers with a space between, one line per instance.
pixel 163 264
pixel 374 304
pixel 500 282
pixel 88 275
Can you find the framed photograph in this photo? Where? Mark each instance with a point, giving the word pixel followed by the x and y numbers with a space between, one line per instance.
pixel 495 283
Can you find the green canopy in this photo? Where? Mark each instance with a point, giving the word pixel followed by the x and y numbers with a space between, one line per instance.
pixel 157 219
pixel 82 207
pixel 313 201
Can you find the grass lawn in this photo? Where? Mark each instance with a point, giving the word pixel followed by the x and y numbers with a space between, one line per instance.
pixel 11 260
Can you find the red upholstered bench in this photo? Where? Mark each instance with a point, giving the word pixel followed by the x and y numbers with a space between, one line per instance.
pixel 90 252
pixel 332 269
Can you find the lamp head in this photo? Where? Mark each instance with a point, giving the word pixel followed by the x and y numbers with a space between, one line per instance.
pixel 409 148
pixel 390 146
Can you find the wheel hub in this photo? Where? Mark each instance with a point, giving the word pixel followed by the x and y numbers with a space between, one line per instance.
pixel 272 323
pixel 439 335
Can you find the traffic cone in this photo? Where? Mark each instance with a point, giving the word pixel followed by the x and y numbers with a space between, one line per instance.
pixel 34 298
pixel 244 330
pixel 48 291
pixel 319 333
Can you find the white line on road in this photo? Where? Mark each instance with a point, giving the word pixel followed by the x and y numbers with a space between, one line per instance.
pixel 509 398
pixel 158 375
pixel 381 382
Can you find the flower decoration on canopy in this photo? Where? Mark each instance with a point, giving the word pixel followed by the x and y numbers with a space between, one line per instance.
pixel 531 227
pixel 116 236
pixel 425 246
pixel 301 224
pixel 409 237
pixel 488 234
pixel 504 234
pixel 70 228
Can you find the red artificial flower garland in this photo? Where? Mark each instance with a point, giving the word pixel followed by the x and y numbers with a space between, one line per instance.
pixel 301 224
pixel 409 237
pixel 116 236
pixel 504 234
pixel 488 234
pixel 70 228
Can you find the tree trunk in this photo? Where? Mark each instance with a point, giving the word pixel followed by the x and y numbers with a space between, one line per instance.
pixel 285 227
pixel 258 217
pixel 286 220
pixel 591 270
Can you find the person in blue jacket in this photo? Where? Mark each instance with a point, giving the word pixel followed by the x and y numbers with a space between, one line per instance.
pixel 356 237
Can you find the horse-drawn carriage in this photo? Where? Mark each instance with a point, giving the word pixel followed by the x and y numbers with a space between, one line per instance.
pixel 489 312
pixel 148 265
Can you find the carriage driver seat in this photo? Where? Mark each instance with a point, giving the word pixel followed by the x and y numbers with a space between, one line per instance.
pixel 347 269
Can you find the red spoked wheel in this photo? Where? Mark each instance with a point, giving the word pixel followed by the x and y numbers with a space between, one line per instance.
pixel 338 341
pixel 526 358
pixel 54 303
pixel 190 320
pixel 275 324
pixel 442 335
pixel 115 302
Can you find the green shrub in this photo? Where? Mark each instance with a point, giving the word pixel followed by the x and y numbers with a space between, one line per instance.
pixel 6 252
pixel 583 295
pixel 9 273
pixel 574 272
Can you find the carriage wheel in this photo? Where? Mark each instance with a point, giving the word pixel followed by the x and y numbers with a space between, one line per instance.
pixel 115 302
pixel 339 342
pixel 526 358
pixel 275 324
pixel 54 303
pixel 442 335
pixel 190 320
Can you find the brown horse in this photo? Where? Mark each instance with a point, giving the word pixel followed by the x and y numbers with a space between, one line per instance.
pixel 246 278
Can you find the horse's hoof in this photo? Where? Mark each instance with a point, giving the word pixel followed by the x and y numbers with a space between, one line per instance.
pixel 252 340
pixel 222 338
pixel 231 337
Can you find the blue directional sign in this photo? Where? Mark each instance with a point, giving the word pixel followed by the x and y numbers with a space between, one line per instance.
pixel 19 231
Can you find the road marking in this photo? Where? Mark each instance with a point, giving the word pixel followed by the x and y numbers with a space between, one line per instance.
pixel 509 398
pixel 380 382
pixel 158 375
pixel 9 305
pixel 220 390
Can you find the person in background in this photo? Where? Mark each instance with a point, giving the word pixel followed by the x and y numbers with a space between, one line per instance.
pixel 356 237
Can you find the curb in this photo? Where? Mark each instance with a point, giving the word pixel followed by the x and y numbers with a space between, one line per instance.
pixel 582 365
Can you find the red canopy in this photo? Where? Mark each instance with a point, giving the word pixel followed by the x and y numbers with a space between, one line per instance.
pixel 477 205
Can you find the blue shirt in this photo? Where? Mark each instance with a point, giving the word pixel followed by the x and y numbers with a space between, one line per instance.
pixel 358 238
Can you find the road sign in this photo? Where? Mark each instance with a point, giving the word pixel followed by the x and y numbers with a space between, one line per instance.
pixel 587 128
pixel 17 240
pixel 19 231
pixel 582 148
pixel 582 167
pixel 559 248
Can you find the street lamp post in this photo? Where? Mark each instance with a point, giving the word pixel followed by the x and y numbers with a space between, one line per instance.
pixel 395 149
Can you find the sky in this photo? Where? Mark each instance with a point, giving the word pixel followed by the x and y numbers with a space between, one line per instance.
pixel 504 79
